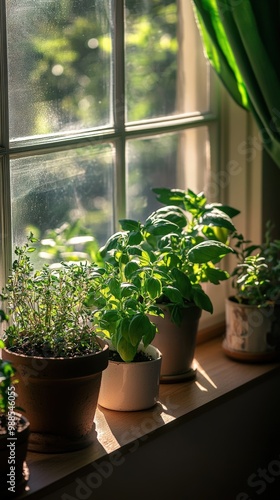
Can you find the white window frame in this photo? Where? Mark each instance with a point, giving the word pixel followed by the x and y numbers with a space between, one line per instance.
pixel 230 127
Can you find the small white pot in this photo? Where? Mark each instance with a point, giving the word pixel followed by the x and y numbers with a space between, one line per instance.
pixel 131 386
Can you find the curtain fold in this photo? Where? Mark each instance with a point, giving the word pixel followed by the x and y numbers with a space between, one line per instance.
pixel 241 40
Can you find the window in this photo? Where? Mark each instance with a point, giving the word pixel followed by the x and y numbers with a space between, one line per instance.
pixel 101 101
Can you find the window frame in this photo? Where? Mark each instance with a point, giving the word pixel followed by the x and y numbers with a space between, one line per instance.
pixel 220 119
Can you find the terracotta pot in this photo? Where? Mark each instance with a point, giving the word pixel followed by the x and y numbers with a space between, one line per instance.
pixel 13 469
pixel 177 344
pixel 131 386
pixel 60 397
pixel 252 333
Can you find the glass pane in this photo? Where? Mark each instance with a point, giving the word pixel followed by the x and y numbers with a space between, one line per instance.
pixel 166 71
pixel 67 191
pixel 171 161
pixel 59 55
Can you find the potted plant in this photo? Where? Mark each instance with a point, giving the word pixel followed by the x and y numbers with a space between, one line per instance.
pixel 14 432
pixel 253 313
pixel 174 253
pixel 51 343
pixel 121 306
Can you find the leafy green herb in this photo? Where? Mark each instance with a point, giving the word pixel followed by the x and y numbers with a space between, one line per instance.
pixel 256 277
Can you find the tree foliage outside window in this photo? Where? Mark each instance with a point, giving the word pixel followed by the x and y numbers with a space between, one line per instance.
pixel 70 163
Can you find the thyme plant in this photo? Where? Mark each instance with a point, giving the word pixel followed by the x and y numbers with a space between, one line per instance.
pixel 47 310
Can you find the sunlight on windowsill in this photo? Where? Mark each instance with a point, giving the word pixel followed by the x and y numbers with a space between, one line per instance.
pixel 204 375
pixel 216 378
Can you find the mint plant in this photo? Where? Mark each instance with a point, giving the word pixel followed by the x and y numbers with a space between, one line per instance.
pixel 175 252
pixel 122 305
pixel 256 277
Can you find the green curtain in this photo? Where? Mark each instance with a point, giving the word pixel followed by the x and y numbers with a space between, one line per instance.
pixel 242 42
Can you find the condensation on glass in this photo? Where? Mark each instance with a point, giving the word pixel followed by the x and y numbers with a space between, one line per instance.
pixel 62 85
pixel 51 190
pixel 59 66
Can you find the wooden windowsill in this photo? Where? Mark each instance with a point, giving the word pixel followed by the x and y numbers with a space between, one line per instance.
pixel 217 378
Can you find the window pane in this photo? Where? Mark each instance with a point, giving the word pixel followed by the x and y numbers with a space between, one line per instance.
pixel 57 188
pixel 166 72
pixel 59 65
pixel 171 161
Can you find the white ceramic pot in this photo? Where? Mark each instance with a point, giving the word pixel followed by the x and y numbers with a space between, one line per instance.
pixel 131 386
pixel 251 331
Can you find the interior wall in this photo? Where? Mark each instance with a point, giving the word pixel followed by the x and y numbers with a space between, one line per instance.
pixel 271 193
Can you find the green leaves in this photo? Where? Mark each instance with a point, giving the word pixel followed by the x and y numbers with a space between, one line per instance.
pixel 215 275
pixel 110 317
pixel 256 276
pixel 128 289
pixel 173 294
pixel 153 287
pixel 112 243
pixel 230 211
pixel 3 316
pixel 126 350
pixel 50 308
pixel 187 200
pixel 207 251
pixel 138 325
pixel 129 292
pixel 170 196
pixel 183 283
pixel 160 227
pixel 253 279
pixel 170 213
pixel 202 300
pixel 130 332
pixel 164 221
pixel 165 258
pixel 217 218
pixel 131 268
pixel 114 287
pixel 130 225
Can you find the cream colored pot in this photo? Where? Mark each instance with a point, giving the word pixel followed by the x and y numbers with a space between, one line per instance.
pixel 131 386
pixel 252 333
